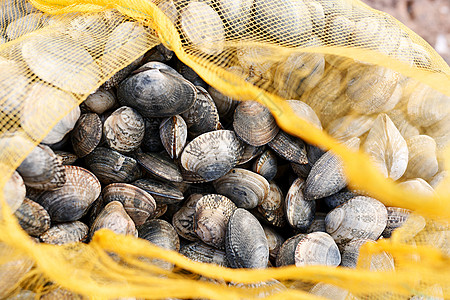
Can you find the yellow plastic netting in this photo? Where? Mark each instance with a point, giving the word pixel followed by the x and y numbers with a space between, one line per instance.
pixel 53 54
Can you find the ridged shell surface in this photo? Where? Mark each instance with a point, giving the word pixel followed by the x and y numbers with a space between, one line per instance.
pixel 32 217
pixel 417 186
pixel 304 111
pixel 289 147
pixel 183 219
pixel 266 165
pixel 86 134
pixel 274 241
pixel 317 248
pixel 299 212
pixel 173 134
pixel 201 252
pixel 286 254
pixel 64 233
pixel 339 198
pixel 152 140
pixel 246 244
pixel 330 291
pixel 350 126
pixel 318 224
pixel 160 166
pixel 250 152
pixel 422 160
pixel 271 209
pixel 66 158
pixel 160 233
pixel 376 262
pixel 162 192
pixel 115 218
pixel 224 104
pixel 396 216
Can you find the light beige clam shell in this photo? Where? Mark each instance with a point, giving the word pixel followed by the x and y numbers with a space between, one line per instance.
pixel 115 218
pixel 330 291
pixel 418 185
pixel 422 160
pixel 350 126
pixel 14 192
pixel 101 101
pixel 317 248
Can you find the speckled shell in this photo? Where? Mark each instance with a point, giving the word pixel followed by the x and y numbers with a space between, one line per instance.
pixel 418 185
pixel 266 165
pixel 327 174
pixel 202 26
pixel 162 192
pixel 114 217
pixel 66 158
pixel 422 161
pixel 250 152
pixel 160 233
pixel 212 154
pixel 14 192
pixel 271 209
pixel 254 124
pixel 318 224
pixel 100 101
pixel 211 216
pixel 274 241
pixel 360 217
pixel 289 147
pixel 299 212
pixel 350 126
pixel 138 204
pixel 86 134
pixel 73 199
pixel 183 219
pixel 382 262
pixel 317 248
pixel 286 254
pixel 32 217
pixel 337 199
pixel 65 233
pixel 111 166
pixel 201 252
pixel 245 188
pixel 246 244
pixel 160 166
pixel 157 90
pixel 173 134
pixel 42 169
pixel 124 129
pixel 396 216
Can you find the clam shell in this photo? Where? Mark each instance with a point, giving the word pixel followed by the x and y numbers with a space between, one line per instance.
pixel 60 293
pixel 32 217
pixel 396 216
pixel 138 204
pixel 339 198
pixel 271 209
pixel 162 192
pixel 160 233
pixel 403 125
pixel 246 244
pixel 358 218
pixel 418 185
pixel 299 212
pixel 274 241
pixel 159 52
pixel 202 26
pixel 100 101
pixel 422 161
pixel 65 233
pixel 173 133
pixel 313 153
pixel 327 175
pixel 254 124
pixel 304 111
pixel 65 157
pixel 440 182
pixel 330 291
pixel 266 165
pixel 245 188
pixel 14 192
pixel 160 166
pixel 387 148
pixel 376 262
pixel 114 217
pixel 86 134
pixel 124 129
pixel 289 147
pixel 73 199
pixel 224 104
pixel 317 248
pixel 236 15
pixel 212 154
pixel 183 219
pixel 250 152
pixel 13 269
pixel 340 27
pixel 24 25
pixel 350 126
pixel 211 216
pixel 318 224
pixel 155 90
pixel 190 75
pixel 111 166
pixel 286 254
pixel 201 252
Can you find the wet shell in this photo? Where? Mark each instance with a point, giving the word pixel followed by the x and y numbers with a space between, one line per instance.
pixel 212 154
pixel 289 147
pixel 201 252
pixel 318 224
pixel 73 199
pixel 138 204
pixel 266 165
pixel 299 212
pixel 422 161
pixel 274 241
pixel 339 198
pixel 160 233
pixel 14 192
pixel 66 158
pixel 250 152
pixel 327 174
pixel 100 101
pixel 286 254
pixel 124 129
pixel 395 219
pixel 350 126
pixel 32 217
pixel 212 213
pixel 162 192
pixel 254 124
pixel 160 166
pixel 86 134
pixel 114 217
pixel 317 248
pixel 156 90
pixel 65 233
pixel 271 209
pixel 359 218
pixel 111 166
pixel 245 188
pixel 123 73
pixel 173 133
pixel 246 244
pixel 387 148
pixel 376 262
pixel 202 26
pixel 183 219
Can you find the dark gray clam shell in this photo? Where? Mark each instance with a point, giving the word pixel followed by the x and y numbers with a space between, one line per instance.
pixel 183 219
pixel 225 105
pixel 318 224
pixel 246 244
pixel 289 147
pixel 271 209
pixel 86 134
pixel 160 166
pixel 65 233
pixel 160 233
pixel 299 212
pixel 266 165
pixel 152 141
pixel 201 252
pixel 162 192
pixel 32 217
pixel 274 240
pixel 156 91
pixel 250 152
pixel 286 254
pixel 339 198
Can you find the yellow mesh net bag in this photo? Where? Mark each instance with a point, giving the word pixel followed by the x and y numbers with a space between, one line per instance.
pixel 349 62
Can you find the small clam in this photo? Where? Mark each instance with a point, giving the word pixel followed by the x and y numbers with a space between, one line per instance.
pixel 289 147
pixel 318 224
pixel 114 217
pixel 313 153
pixel 111 166
pixel 271 209
pixel 245 188
pixel 159 52
pixel 32 217
pixel 124 129
pixel 358 218
pixel 339 198
pixel 73 199
pixel 86 134
pixel 183 219
pixel 250 152
pixel 266 165
pixel 422 161
pixel 299 212
pixel 157 90
pixel 374 262
pixel 274 241
pixel 246 244
pixel 212 154
pixel 138 204
pixel 286 254
pixel 160 233
pixel 317 248
pixel 387 148
pixel 160 166
pixel 100 101
pixel 173 133
pixel 212 213
pixel 65 233
pixel 201 252
pixel 396 216
pixel 254 124
pixel 440 183
pixel 162 192
pixel 14 192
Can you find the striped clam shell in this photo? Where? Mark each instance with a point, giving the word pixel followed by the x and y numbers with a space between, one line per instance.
pixel 115 218
pixel 173 134
pixel 64 233
pixel 32 217
pixel 299 212
pixel 317 248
